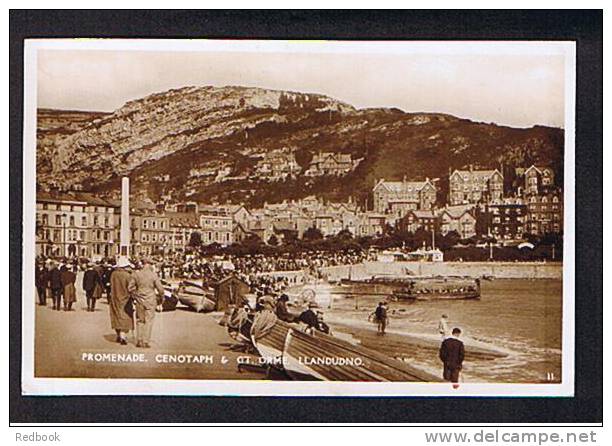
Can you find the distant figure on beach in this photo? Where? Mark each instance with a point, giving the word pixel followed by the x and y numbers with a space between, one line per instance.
pixel 148 292
pixel 443 326
pixel 120 303
pixel 381 317
pixel 452 353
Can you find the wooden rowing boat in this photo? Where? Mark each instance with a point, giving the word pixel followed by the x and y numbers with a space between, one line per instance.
pixel 318 356
pixel 195 297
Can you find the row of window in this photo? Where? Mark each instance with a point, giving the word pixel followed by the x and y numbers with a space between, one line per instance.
pixel 73 208
pixel 72 220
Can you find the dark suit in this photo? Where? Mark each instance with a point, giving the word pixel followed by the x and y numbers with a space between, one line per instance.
pixel 91 279
pixel 41 278
pixel 452 353
pixel 55 283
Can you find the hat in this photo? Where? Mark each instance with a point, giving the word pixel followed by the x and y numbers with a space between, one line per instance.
pixel 123 262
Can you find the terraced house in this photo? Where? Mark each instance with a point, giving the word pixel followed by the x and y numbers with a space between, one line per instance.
pixel 475 186
pixel 400 197
pixel 331 163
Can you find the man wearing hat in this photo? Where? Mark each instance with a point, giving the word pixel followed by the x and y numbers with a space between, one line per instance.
pixel 55 283
pixel 91 281
pixel 120 303
pixel 148 292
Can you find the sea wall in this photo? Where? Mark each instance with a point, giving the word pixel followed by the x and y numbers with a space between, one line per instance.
pixel 501 270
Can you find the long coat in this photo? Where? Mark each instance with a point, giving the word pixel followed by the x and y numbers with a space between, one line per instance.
pixel 55 279
pixel 68 279
pixel 146 288
pixel 99 288
pixel 120 303
pixel 41 277
pixel 452 353
pixel 91 278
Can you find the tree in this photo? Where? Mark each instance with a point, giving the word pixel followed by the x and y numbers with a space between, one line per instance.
pixel 195 239
pixel 312 233
pixel 344 234
pixel 273 240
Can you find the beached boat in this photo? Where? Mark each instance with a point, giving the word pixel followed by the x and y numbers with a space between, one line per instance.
pixel 319 356
pixel 195 297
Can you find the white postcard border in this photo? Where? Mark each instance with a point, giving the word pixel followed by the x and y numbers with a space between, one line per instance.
pixel 32 385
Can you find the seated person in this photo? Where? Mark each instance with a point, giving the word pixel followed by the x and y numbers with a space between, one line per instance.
pixel 281 309
pixel 309 317
pixel 322 325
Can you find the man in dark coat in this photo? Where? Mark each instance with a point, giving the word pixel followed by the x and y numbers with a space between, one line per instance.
pixel 55 283
pixel 41 279
pixel 309 317
pixel 91 279
pixel 452 353
pixel 68 290
pixel 282 312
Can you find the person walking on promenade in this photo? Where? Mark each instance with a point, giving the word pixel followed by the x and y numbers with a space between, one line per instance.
pixel 69 292
pixel 92 283
pixel 148 292
pixel 443 326
pixel 55 283
pixel 120 304
pixel 41 280
pixel 382 318
pixel 452 353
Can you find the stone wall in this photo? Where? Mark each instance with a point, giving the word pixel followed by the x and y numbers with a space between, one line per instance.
pixel 501 270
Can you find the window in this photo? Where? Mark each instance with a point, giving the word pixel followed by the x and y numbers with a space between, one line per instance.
pixel 83 221
pixel 71 220
pixel 45 219
pixel 58 220
pixel 95 220
pixel 45 206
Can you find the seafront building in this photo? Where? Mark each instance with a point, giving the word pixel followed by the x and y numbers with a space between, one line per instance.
pixel 81 223
pixel 397 198
pixel 475 186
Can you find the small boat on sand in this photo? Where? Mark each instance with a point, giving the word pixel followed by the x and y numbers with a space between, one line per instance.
pixel 195 297
pixel 319 356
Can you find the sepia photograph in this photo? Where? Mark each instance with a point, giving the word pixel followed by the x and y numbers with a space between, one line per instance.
pixel 334 218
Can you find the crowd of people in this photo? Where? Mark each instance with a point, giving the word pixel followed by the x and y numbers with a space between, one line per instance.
pixel 134 289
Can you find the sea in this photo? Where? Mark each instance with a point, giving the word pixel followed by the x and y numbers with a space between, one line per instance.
pixel 521 319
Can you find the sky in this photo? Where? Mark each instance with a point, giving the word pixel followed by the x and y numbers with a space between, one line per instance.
pixel 514 88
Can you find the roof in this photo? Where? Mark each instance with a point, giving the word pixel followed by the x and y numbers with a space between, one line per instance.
pixel 336 156
pixel 183 219
pixel 476 174
pixel 539 169
pixel 75 197
pixel 421 213
pixel 402 186
pixel 457 211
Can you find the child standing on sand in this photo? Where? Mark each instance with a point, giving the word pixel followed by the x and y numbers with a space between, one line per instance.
pixel 443 327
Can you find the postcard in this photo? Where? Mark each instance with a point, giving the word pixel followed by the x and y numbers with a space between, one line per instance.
pixel 298 218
